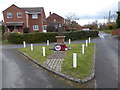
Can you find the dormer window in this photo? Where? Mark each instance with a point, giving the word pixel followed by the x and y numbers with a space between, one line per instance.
pixel 34 16
pixel 19 15
pixel 9 15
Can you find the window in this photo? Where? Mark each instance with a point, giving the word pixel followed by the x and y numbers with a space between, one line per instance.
pixel 44 27
pixel 19 15
pixel 9 15
pixel 54 20
pixel 35 27
pixel 34 16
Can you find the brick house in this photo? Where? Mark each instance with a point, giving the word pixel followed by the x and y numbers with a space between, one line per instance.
pixel 56 20
pixel 16 18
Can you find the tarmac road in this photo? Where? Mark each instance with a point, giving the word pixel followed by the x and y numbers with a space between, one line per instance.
pixel 106 61
pixel 18 72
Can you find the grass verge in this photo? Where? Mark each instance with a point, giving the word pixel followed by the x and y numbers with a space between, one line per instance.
pixel 36 54
pixel 84 62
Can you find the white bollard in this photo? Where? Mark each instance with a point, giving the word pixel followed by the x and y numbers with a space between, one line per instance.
pixel 31 47
pixel 89 40
pixel 24 44
pixel 48 43
pixel 69 41
pixel 43 51
pixel 74 60
pixel 83 48
pixel 86 43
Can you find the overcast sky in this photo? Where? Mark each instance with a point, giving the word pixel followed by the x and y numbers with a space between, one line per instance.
pixel 84 9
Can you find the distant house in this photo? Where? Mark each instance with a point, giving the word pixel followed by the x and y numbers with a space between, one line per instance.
pixel 19 18
pixel 56 20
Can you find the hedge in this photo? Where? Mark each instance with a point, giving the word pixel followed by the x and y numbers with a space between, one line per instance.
pixel 42 37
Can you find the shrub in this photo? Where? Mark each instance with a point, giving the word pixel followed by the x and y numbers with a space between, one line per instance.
pixel 43 37
pixel 3 29
pixel 26 30
pixel 6 35
pixel 51 29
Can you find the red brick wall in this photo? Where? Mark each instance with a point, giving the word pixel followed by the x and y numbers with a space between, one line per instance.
pixel 116 32
pixel 54 16
pixel 13 9
pixel 35 22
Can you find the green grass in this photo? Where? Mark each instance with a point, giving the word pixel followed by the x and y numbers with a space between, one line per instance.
pixel 36 54
pixel 108 31
pixel 84 62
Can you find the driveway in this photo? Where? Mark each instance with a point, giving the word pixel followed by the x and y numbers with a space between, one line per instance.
pixel 106 61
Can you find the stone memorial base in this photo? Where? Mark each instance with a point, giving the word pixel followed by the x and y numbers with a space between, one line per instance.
pixel 60 39
pixel 60 45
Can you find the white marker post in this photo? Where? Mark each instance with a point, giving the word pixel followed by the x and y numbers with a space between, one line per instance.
pixel 86 43
pixel 83 48
pixel 69 41
pixel 74 60
pixel 89 39
pixel 31 47
pixel 43 51
pixel 48 43
pixel 24 44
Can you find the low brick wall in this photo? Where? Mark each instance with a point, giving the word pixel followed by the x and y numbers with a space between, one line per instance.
pixel 116 32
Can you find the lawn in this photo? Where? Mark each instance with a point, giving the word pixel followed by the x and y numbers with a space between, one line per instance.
pixel 84 62
pixel 36 54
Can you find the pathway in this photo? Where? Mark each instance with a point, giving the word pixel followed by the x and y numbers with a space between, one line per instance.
pixel 55 60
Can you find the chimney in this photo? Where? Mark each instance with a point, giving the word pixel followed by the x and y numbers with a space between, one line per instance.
pixel 50 13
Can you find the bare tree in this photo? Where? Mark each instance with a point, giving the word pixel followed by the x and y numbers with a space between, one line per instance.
pixel 72 17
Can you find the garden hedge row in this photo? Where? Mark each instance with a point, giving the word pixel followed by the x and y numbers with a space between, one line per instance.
pixel 42 37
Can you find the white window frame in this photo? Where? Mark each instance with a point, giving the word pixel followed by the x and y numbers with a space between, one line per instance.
pixel 35 27
pixel 54 20
pixel 34 16
pixel 18 15
pixel 44 27
pixel 9 14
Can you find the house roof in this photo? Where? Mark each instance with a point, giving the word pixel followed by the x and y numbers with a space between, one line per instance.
pixel 28 9
pixel 34 9
pixel 54 14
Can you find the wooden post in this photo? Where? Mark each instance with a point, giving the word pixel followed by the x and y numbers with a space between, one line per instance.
pixel 24 44
pixel 89 40
pixel 83 48
pixel 43 51
pixel 69 41
pixel 48 43
pixel 31 47
pixel 86 43
pixel 74 60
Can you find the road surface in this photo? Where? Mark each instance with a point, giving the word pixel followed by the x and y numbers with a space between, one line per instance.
pixel 18 72
pixel 106 61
